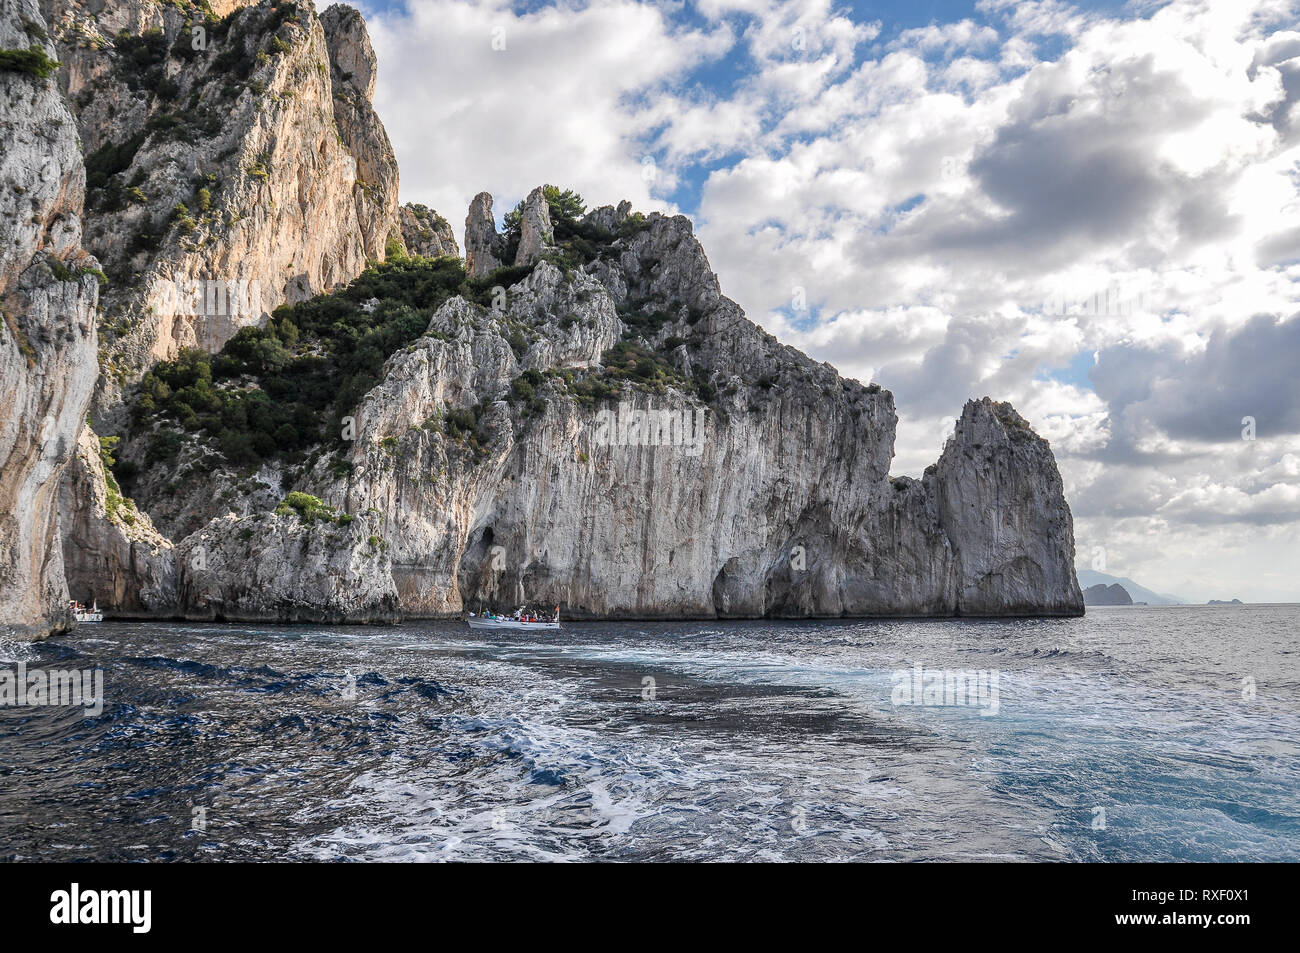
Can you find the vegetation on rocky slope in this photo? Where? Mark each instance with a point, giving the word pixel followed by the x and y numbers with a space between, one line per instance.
pixel 275 390
pixel 576 242
pixel 33 61
pixel 282 390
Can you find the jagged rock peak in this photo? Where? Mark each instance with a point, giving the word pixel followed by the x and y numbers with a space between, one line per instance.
pixel 1002 505
pixel 353 68
pixel 247 153
pixel 607 217
pixel 482 243
pixel 351 54
pixel 426 233
pixel 536 234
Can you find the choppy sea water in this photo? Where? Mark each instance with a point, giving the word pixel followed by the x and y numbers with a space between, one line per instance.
pixel 1130 734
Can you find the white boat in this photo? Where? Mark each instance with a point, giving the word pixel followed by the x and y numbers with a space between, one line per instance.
pixel 83 614
pixel 513 622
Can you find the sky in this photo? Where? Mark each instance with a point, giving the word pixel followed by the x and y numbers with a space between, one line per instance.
pixel 1091 210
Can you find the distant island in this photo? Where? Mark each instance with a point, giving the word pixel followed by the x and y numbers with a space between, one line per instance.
pixel 1088 578
pixel 1212 602
pixel 1104 595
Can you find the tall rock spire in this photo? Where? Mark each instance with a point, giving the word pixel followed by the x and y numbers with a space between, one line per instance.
pixel 482 243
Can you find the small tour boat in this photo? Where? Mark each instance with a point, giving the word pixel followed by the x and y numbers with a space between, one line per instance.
pixel 520 620
pixel 83 614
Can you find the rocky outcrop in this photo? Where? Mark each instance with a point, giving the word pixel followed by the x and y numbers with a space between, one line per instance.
pixel 483 246
pixel 48 294
pixel 774 498
pixel 536 234
pixel 426 233
pixel 280 567
pixel 1002 506
pixel 353 69
pixel 112 554
pixel 608 218
pixel 1104 595
pixel 234 164
pixel 616 437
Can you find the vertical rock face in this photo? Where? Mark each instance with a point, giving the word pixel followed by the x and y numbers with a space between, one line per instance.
pixel 426 233
pixel 234 163
pixel 536 234
pixel 278 567
pixel 353 69
pixel 482 243
pixel 112 554
pixel 48 293
pixel 1002 504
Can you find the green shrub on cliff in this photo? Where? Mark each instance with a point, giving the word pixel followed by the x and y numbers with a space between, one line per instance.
pixel 310 509
pixel 141 59
pixel 33 61
pixel 576 242
pixel 274 391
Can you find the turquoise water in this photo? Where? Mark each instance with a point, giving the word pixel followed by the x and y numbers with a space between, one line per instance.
pixel 1130 734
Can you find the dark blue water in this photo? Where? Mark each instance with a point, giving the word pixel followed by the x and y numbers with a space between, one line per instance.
pixel 759 741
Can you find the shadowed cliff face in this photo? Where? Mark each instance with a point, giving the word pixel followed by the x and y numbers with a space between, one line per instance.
pixel 48 291
pixel 611 434
pixel 112 554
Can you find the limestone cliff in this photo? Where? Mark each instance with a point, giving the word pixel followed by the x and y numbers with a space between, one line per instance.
pixel 48 293
pixel 1002 506
pixel 596 425
pixel 786 509
pixel 353 69
pixel 112 553
pixel 234 163
pixel 426 233
pixel 281 567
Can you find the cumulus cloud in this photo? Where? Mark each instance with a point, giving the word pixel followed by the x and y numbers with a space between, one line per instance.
pixel 478 96
pixel 1207 395
pixel 1215 503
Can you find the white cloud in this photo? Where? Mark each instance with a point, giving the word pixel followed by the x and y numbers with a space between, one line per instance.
pixel 478 97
